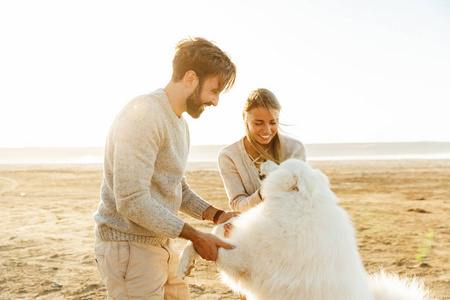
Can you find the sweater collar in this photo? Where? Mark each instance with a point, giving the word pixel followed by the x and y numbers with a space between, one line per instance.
pixel 163 97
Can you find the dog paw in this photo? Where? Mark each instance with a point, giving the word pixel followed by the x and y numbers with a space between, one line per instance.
pixel 187 261
pixel 185 270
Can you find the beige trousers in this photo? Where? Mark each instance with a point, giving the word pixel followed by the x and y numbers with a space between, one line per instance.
pixel 132 270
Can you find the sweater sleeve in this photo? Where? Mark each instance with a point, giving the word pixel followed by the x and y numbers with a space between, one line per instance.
pixel 192 204
pixel 297 150
pixel 239 199
pixel 137 137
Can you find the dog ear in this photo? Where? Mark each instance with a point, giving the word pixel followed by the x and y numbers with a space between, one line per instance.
pixel 312 190
pixel 267 167
pixel 316 181
pixel 322 178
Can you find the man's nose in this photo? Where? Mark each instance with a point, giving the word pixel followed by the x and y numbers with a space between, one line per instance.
pixel 215 101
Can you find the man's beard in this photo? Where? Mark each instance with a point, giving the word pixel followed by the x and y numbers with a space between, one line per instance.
pixel 194 102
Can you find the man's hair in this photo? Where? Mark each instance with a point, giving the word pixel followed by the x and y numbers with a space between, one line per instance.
pixel 205 59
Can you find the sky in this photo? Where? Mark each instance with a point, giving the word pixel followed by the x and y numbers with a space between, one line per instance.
pixel 343 71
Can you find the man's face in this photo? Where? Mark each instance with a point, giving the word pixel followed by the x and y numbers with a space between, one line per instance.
pixel 206 94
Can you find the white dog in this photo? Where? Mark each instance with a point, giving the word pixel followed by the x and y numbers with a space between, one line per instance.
pixel 299 244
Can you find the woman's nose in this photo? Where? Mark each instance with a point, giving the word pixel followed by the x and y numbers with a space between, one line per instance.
pixel 267 128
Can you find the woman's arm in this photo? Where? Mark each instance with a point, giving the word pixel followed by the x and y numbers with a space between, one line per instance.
pixel 239 199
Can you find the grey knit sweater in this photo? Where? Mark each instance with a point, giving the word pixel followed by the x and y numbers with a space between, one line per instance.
pixel 143 182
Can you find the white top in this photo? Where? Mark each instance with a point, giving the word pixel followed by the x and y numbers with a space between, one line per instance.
pixel 241 176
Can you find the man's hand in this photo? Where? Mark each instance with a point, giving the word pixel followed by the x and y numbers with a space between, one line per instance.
pixel 206 244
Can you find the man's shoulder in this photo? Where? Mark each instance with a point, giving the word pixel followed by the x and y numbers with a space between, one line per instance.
pixel 146 101
pixel 145 106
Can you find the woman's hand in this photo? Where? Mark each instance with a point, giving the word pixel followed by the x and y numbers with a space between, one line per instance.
pixel 260 195
pixel 226 216
pixel 227 228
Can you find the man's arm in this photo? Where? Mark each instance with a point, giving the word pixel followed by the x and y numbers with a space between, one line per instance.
pixel 218 216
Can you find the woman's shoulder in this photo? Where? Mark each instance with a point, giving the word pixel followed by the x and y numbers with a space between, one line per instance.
pixel 292 147
pixel 290 142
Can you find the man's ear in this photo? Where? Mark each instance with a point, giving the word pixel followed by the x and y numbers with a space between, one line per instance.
pixel 191 80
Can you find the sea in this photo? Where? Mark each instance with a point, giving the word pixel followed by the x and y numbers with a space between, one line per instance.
pixel 208 153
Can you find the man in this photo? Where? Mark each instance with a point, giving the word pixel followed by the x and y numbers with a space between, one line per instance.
pixel 144 187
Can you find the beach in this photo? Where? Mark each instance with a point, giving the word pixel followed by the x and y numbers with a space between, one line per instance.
pixel 400 209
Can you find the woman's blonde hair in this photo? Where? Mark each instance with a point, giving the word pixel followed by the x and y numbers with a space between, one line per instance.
pixel 263 98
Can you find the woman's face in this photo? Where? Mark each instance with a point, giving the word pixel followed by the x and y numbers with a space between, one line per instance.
pixel 262 125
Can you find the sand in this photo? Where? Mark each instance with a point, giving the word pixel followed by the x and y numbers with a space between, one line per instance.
pixel 400 209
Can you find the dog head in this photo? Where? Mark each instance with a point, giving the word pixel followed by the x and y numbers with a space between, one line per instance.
pixel 293 177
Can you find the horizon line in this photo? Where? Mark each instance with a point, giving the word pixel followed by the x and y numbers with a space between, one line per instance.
pixel 200 145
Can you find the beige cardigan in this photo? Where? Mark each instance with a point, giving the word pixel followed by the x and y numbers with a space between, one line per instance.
pixel 241 176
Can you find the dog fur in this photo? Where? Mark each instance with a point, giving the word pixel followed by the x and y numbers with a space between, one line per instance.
pixel 299 244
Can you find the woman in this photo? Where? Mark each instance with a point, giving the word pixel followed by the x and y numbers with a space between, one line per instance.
pixel 239 162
